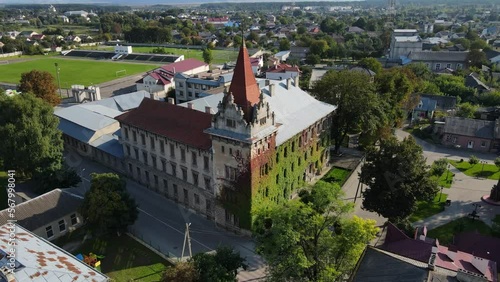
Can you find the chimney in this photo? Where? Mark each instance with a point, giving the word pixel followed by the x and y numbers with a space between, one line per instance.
pixel 190 105
pixel 271 89
pixel 208 109
pixel 171 101
pixel 288 83
pixel 296 80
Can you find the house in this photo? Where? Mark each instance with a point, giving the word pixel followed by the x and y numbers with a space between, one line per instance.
pixel 493 56
pixel 473 81
pixel 38 37
pixel 462 266
pixel 354 29
pixel 282 55
pixel 475 134
pixel 27 33
pixel 90 129
pixel 225 148
pixel 299 52
pixel 484 246
pixel 403 42
pixel 72 38
pixel 38 260
pixel 218 21
pixel 64 19
pixel 161 80
pixel 257 63
pixel 443 103
pixel 49 216
pixel 283 71
pixel 76 13
pixel 189 87
pixel 424 110
pixel 439 60
pixel 11 34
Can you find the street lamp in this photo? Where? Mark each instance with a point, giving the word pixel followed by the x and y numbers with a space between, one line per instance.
pixel 448 172
pixel 482 169
pixel 440 194
pixel 58 80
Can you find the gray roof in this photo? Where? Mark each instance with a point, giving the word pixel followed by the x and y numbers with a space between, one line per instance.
pixel 109 143
pixel 469 127
pixel 44 209
pixel 38 260
pixel 426 104
pixel 316 74
pixel 294 109
pixel 380 266
pixel 407 38
pixel 442 56
pixel 442 102
pixel 85 117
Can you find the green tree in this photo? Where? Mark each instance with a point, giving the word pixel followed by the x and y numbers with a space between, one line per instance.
pixel 107 206
pixel 466 110
pixel 473 160
pixel 397 177
pixel 42 84
pixel 284 44
pixel 311 239
pixel 32 143
pixel 420 70
pixel 439 167
pixel 371 64
pixel 451 85
pixel 477 58
pixel 222 267
pixel 497 162
pixel 207 56
pixel 355 100
pixel 313 59
pixel 318 47
pixel 181 272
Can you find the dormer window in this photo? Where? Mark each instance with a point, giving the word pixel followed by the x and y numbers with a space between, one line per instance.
pixel 230 123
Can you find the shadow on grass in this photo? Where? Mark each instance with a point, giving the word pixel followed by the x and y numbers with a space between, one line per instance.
pixel 446 232
pixel 484 174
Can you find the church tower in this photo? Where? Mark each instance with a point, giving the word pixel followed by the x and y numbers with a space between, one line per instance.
pixel 243 136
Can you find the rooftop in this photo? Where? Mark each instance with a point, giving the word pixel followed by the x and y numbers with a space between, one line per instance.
pixel 443 56
pixel 40 261
pixel 469 127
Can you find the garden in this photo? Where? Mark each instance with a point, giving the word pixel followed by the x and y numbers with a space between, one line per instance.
pixel 477 168
pixel 337 175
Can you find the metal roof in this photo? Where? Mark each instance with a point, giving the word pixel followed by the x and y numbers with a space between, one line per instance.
pixel 109 143
pixel 84 117
pixel 469 127
pixel 440 56
pixel 76 131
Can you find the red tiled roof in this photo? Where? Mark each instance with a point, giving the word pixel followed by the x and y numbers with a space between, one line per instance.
pixel 183 66
pixel 174 122
pixel 283 68
pixel 243 85
pixel 480 245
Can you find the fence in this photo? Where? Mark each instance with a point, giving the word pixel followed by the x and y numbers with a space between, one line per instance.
pixel 148 244
pixel 5 55
pixel 193 47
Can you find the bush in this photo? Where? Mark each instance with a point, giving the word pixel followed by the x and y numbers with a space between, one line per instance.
pixel 473 160
pixel 439 167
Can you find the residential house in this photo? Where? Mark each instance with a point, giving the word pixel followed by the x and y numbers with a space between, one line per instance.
pixel 424 110
pixel 283 71
pixel 473 81
pixel 189 87
pixel 64 19
pixel 299 52
pixel 73 38
pixel 488 113
pixel 354 29
pixel 461 265
pixel 162 80
pixel 27 33
pixel 439 60
pixel 493 56
pixel 474 134
pixel 38 260
pixel 191 153
pixel 76 13
pixel 404 42
pixel 49 216
pixel 38 37
pixel 218 21
pixel 282 55
pixel 443 103
pixel 11 34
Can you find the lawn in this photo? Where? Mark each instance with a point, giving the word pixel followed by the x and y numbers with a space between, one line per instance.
pixel 426 209
pixel 71 72
pixel 219 56
pixel 445 180
pixel 125 259
pixel 445 232
pixel 3 190
pixel 489 171
pixel 337 175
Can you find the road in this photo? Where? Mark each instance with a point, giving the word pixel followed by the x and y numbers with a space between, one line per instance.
pixel 161 223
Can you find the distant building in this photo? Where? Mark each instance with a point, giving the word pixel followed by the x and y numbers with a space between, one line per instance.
pixel 440 60
pixel 76 13
pixel 282 55
pixel 189 87
pixel 475 134
pixel 283 71
pixel 299 52
pixel 403 42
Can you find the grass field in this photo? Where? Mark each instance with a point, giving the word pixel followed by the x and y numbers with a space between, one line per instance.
pixel 445 180
pixel 427 209
pixel 445 232
pixel 84 72
pixel 489 171
pixel 337 175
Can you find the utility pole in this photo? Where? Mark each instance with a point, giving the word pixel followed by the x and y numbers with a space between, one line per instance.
pixel 188 239
pixel 58 80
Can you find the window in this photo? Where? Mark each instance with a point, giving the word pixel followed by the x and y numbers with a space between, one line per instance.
pixel 195 178
pixel 184 173
pixel 230 151
pixel 459 66
pixel 228 216
pixel 74 219
pixel 152 141
pixel 130 167
pixel 181 93
pixel 230 173
pixel 483 143
pixel 145 157
pixel 128 150
pixel 277 178
pixel 126 133
pixel 49 231
pixel 448 137
pixel 162 147
pixel 165 184
pixel 181 84
pixel 138 173
pixel 196 199
pixel 135 136
pixel 172 151
pixel 285 154
pixel 143 139
pixel 186 196
pixel 190 94
pixel 164 165
pixel 147 175
pixel 222 149
pixel 207 183
pixel 136 153
pixel 153 159
pixel 230 123
pixel 174 169
pixel 62 225
pixel 438 66
pixel 175 190
pixel 194 158
pixel 448 66
pixel 156 180
pixel 183 155
pixel 205 162
pixel 293 146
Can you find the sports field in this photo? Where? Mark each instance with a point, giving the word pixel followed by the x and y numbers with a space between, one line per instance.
pixel 71 72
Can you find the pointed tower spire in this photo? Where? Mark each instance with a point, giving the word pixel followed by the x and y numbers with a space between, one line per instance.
pixel 243 85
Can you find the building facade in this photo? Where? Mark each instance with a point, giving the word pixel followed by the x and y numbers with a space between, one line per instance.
pixel 189 87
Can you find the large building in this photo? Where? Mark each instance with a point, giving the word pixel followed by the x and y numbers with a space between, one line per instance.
pixel 228 154
pixel 403 42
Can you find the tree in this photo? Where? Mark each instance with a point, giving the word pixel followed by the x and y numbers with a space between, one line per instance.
pixel 34 145
pixel 181 272
pixel 371 64
pixel 313 59
pixel 107 206
pixel 439 167
pixel 477 58
pixel 473 160
pixel 466 110
pixel 497 162
pixel 318 47
pixel 284 44
pixel 355 100
pixel 311 239
pixel 397 177
pixel 207 56
pixel 222 267
pixel 42 84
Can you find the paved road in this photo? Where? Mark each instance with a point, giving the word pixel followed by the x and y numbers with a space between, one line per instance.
pixel 161 223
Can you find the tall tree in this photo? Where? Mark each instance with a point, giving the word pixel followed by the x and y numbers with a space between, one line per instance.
pixel 466 110
pixel 32 143
pixel 42 84
pixel 397 177
pixel 311 239
pixel 371 64
pixel 107 206
pixel 477 58
pixel 181 272
pixel 207 56
pixel 222 267
pixel 355 100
